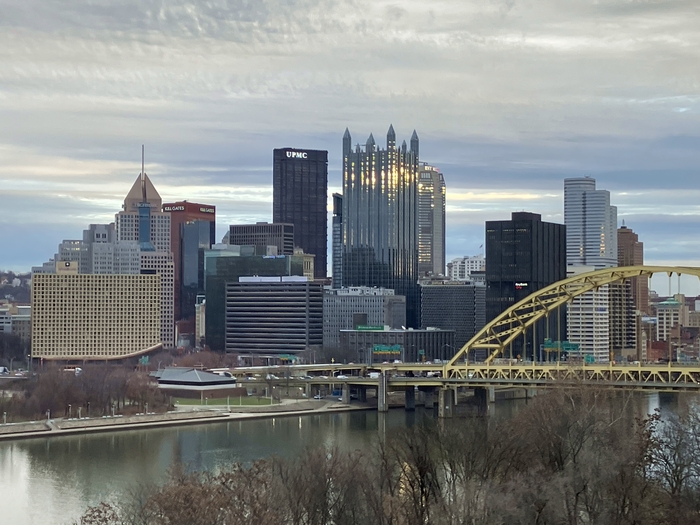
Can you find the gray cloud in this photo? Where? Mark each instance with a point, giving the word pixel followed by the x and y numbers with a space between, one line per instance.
pixel 508 98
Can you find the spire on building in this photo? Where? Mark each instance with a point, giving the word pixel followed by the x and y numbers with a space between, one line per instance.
pixel 142 191
pixel 370 143
pixel 347 142
pixel 414 143
pixel 391 136
pixel 143 173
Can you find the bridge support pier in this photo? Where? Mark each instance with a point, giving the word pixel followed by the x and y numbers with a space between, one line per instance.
pixel 410 399
pixel 446 402
pixel 481 396
pixel 307 390
pixel 345 396
pixel 429 394
pixel 362 394
pixel 382 405
pixel 492 394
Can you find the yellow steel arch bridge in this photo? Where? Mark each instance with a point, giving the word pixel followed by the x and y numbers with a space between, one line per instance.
pixel 497 336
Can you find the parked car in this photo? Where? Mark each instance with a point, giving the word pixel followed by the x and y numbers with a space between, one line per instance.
pixel 318 396
pixel 341 376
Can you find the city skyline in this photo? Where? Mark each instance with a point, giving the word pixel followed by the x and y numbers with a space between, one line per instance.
pixel 537 98
pixel 689 284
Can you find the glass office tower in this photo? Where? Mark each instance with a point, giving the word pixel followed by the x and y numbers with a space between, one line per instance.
pixel 379 218
pixel 195 237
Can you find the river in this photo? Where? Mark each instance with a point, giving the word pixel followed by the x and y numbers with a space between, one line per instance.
pixel 51 481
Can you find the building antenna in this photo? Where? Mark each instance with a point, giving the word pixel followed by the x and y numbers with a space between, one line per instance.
pixel 143 173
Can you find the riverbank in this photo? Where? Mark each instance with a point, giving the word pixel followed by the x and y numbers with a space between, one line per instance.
pixel 191 416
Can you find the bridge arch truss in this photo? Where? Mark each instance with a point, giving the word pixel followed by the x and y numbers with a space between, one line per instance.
pixel 514 322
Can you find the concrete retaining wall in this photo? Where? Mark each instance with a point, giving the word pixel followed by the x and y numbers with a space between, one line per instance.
pixel 32 426
pixel 135 420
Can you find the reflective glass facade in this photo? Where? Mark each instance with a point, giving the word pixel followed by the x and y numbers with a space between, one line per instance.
pixel 379 218
pixel 299 197
pixel 145 228
pixel 195 237
pixel 181 212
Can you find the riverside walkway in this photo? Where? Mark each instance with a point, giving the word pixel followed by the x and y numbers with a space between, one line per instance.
pixel 193 416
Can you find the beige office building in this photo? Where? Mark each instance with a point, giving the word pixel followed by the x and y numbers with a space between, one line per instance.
pixel 95 317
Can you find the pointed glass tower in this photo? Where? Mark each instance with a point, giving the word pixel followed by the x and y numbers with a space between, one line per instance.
pixel 379 218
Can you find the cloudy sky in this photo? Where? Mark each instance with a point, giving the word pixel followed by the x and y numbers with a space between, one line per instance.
pixel 508 98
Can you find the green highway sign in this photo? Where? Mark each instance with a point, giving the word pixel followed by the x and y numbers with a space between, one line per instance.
pixel 386 349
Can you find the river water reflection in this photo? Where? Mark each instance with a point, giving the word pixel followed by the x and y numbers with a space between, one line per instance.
pixel 52 481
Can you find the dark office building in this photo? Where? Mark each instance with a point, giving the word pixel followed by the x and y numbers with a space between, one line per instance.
pixel 300 195
pixel 524 255
pixel 337 240
pixel 227 266
pixel 180 213
pixel 380 230
pixel 263 234
pixel 454 305
pixel 273 315
pixel 409 346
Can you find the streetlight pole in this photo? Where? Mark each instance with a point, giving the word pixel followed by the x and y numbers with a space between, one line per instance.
pixel 448 345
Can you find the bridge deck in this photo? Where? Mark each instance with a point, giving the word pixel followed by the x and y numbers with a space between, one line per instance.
pixel 657 377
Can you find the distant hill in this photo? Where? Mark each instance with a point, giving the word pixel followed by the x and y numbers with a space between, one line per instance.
pixel 15 287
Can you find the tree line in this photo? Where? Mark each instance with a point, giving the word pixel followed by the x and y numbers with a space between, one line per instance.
pixel 96 390
pixel 572 456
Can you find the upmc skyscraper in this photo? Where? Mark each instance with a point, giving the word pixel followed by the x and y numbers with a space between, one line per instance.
pixel 300 189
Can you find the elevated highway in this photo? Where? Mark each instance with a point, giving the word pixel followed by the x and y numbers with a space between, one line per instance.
pixel 438 386
pixel 653 377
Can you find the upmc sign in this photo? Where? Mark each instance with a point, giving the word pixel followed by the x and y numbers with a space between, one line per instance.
pixel 297 155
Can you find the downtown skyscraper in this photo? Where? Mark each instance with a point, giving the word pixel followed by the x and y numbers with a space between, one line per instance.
pixel 591 244
pixel 192 229
pixel 300 197
pixel 380 218
pixel 523 255
pixel 591 224
pixel 142 221
pixel 631 299
pixel 431 221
